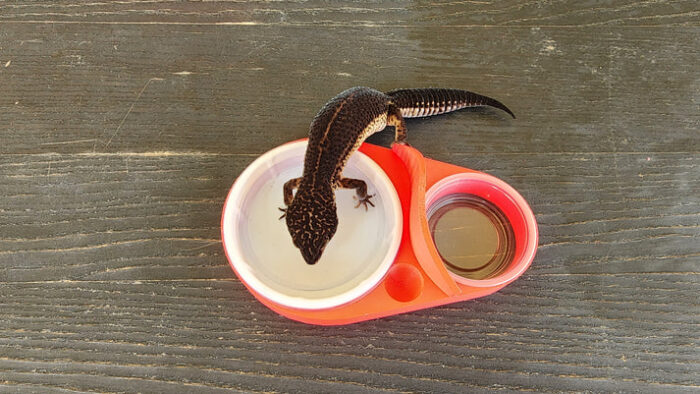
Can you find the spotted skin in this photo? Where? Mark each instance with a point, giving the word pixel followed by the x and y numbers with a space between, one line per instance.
pixel 337 131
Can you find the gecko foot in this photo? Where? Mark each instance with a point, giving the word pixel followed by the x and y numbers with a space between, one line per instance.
pixel 364 201
pixel 284 212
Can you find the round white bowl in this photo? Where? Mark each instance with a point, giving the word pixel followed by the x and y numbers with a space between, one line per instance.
pixel 260 249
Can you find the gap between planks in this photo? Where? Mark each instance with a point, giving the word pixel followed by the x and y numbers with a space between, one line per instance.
pixel 135 154
pixel 255 154
pixel 531 276
pixel 360 24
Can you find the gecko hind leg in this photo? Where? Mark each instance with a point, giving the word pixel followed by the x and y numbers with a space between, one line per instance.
pixel 360 189
pixel 394 118
pixel 289 187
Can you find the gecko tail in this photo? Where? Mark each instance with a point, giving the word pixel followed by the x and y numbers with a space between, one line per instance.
pixel 415 103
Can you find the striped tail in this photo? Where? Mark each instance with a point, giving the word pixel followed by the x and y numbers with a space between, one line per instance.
pixel 415 103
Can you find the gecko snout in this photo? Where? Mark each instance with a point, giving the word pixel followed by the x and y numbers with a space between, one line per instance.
pixel 311 224
pixel 311 256
pixel 312 247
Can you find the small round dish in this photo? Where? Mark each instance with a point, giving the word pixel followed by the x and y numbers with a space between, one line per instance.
pixel 260 249
pixel 521 237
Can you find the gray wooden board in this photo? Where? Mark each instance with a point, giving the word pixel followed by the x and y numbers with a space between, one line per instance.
pixel 245 89
pixel 123 125
pixel 544 332
pixel 368 12
pixel 156 216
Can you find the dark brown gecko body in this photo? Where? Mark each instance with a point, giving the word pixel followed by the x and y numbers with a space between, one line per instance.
pixel 335 133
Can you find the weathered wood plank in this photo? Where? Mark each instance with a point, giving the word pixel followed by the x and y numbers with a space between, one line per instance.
pixel 156 215
pixel 538 334
pixel 245 89
pixel 373 12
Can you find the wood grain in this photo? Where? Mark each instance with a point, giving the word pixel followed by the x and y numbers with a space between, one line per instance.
pixel 539 334
pixel 123 125
pixel 371 13
pixel 83 88
pixel 128 216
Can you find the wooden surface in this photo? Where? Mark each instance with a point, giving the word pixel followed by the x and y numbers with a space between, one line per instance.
pixel 123 124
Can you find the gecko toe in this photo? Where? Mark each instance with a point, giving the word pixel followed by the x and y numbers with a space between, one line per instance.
pixel 364 201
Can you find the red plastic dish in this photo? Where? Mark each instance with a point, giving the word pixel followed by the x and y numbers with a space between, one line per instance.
pixel 418 279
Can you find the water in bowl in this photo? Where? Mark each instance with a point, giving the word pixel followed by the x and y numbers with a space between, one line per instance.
pixel 354 260
pixel 472 235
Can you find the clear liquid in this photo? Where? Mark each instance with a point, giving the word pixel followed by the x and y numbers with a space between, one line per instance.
pixel 359 246
pixel 473 237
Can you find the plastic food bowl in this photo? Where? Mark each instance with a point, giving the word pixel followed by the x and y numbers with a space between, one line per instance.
pixel 439 234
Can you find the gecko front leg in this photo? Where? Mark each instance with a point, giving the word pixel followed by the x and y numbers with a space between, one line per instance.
pixel 289 187
pixel 360 189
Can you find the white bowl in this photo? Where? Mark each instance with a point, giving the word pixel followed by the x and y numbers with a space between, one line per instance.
pixel 260 249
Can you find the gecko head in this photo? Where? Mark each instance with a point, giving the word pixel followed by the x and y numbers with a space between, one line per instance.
pixel 312 221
